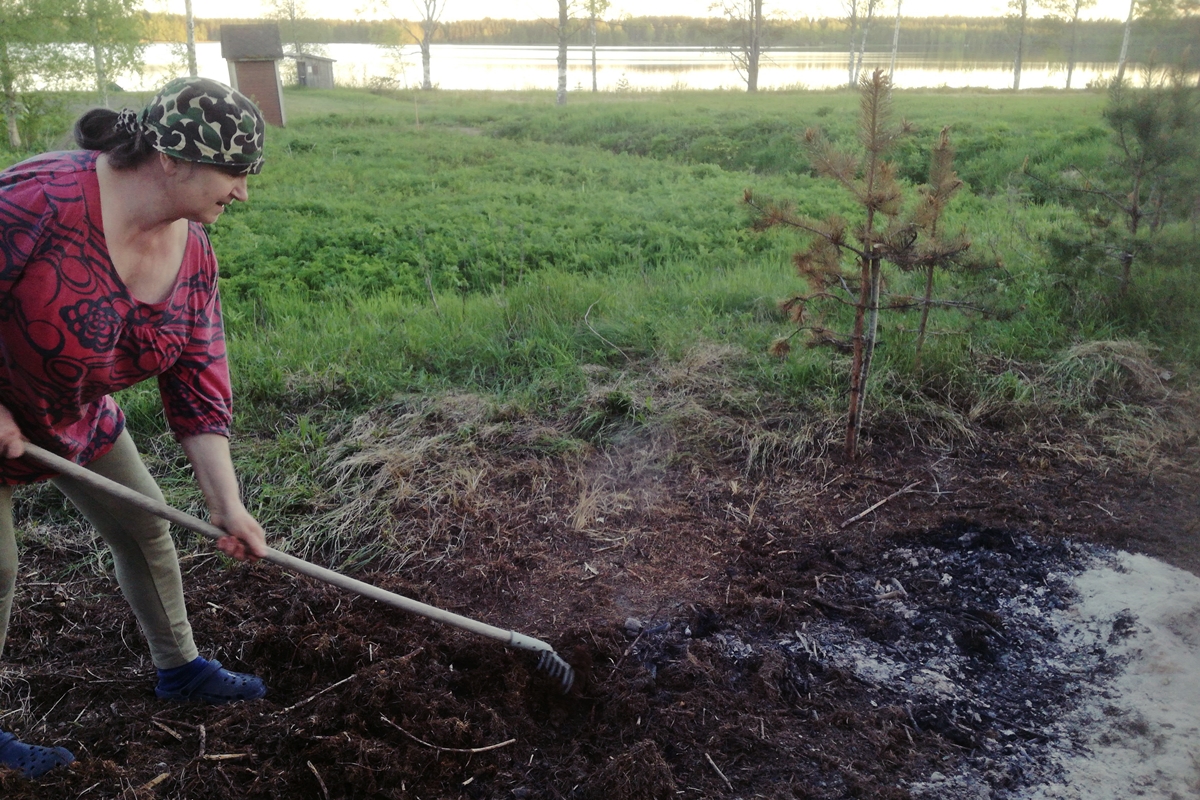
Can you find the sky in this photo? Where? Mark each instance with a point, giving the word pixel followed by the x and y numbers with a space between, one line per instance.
pixel 533 9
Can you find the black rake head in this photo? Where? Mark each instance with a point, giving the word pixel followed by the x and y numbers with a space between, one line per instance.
pixel 553 665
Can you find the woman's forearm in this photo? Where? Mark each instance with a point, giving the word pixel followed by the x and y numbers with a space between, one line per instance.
pixel 213 465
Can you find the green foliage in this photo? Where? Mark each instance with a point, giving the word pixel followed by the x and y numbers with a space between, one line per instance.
pixel 643 307
pixel 60 44
pixel 1137 206
pixel 472 213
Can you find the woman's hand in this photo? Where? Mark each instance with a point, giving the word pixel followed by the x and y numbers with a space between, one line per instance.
pixel 12 443
pixel 209 454
pixel 246 540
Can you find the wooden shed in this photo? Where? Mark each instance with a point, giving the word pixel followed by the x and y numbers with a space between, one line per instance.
pixel 314 71
pixel 254 53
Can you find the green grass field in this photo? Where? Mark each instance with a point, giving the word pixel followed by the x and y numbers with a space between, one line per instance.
pixel 554 260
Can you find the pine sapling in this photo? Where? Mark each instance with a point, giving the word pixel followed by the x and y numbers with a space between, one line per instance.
pixel 872 182
pixel 915 243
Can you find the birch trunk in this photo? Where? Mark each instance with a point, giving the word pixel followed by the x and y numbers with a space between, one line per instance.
pixel 1074 44
pixel 754 52
pixel 191 39
pixel 594 86
pixel 101 76
pixel 426 76
pixel 853 31
pixel 1125 42
pixel 895 41
pixel 561 98
pixel 862 48
pixel 1024 5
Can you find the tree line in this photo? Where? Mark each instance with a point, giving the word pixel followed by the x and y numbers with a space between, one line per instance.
pixel 55 42
pixel 943 37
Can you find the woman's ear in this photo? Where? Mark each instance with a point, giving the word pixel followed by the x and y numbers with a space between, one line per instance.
pixel 170 166
pixel 174 167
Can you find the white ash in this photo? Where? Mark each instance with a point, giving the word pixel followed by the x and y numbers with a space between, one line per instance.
pixel 1060 670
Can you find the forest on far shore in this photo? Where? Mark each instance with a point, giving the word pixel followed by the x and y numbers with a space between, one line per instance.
pixel 945 37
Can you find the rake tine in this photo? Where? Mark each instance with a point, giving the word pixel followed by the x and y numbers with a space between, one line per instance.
pixel 553 665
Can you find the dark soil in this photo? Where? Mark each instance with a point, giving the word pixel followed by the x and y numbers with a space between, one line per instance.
pixel 733 640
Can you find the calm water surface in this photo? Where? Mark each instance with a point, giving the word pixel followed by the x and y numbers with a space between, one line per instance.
pixel 634 69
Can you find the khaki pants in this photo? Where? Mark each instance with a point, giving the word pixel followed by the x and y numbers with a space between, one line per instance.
pixel 146 563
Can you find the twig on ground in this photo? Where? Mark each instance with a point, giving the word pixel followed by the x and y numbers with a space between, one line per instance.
pixel 310 698
pixel 155 781
pixel 718 769
pixel 320 781
pixel 887 499
pixel 601 338
pixel 439 748
pixel 158 724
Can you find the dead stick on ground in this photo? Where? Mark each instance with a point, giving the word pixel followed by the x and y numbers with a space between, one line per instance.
pixel 165 728
pixel 448 749
pixel 324 791
pixel 718 769
pixel 318 694
pixel 154 782
pixel 887 499
pixel 601 338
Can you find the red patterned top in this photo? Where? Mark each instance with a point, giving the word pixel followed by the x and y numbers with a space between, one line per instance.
pixel 71 333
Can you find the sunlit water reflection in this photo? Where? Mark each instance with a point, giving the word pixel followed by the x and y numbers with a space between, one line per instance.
pixel 623 69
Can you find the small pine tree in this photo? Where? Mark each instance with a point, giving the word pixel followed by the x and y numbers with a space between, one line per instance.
pixel 913 242
pixel 1146 182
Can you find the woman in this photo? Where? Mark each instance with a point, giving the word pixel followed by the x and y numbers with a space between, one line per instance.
pixel 106 279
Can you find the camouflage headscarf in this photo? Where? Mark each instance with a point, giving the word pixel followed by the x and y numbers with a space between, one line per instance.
pixel 202 120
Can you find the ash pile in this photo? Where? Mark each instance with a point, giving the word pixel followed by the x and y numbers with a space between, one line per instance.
pixel 963 628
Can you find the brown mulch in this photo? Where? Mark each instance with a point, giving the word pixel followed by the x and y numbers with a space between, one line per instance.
pixel 368 702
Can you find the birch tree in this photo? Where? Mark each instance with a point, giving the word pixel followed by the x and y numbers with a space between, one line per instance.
pixel 896 41
pixel 856 72
pixel 28 29
pixel 1150 9
pixel 289 13
pixel 1125 41
pixel 746 43
pixel 112 30
pixel 190 22
pixel 431 22
pixel 851 7
pixel 594 9
pixel 429 13
pixel 564 33
pixel 1069 11
pixel 1020 16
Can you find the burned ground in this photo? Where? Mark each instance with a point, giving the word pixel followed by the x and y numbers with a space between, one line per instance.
pixel 733 637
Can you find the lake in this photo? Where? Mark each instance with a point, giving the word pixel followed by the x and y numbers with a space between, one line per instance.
pixel 501 68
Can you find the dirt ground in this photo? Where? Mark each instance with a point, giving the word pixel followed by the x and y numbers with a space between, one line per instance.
pixel 700 623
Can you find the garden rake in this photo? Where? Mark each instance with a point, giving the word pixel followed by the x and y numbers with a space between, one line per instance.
pixel 549 661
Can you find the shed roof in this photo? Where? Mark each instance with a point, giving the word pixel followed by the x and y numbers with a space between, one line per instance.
pixel 250 42
pixel 311 57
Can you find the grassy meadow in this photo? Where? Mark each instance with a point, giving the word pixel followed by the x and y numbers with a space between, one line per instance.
pixel 588 273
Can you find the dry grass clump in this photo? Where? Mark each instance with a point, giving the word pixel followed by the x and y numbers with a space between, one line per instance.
pixel 1098 402
pixel 1100 372
pixel 641 773
pixel 417 479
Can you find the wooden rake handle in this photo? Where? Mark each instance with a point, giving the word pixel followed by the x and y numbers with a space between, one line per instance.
pixel 185 520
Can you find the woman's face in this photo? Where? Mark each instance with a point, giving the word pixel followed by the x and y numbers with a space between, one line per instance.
pixel 203 191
